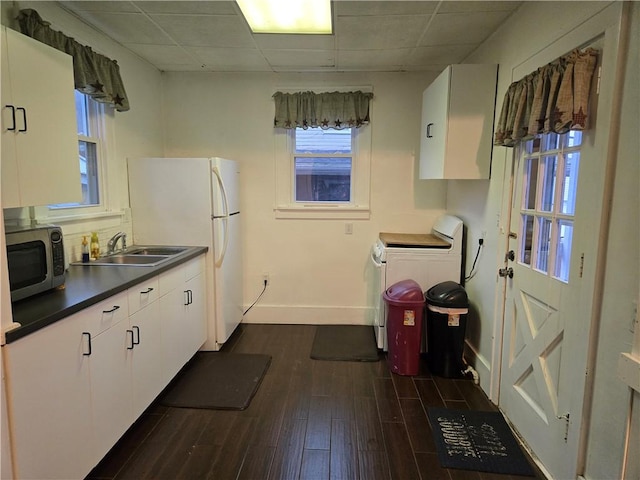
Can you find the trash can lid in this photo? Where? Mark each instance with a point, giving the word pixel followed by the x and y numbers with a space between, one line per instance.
pixel 405 292
pixel 447 294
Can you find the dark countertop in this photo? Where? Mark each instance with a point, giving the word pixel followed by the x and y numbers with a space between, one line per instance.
pixel 85 285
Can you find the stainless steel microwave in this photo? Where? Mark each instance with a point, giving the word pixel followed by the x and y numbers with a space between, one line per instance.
pixel 35 257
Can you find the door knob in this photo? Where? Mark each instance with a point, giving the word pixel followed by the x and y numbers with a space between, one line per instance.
pixel 506 272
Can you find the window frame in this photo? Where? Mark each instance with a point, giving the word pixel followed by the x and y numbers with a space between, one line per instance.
pixel 286 205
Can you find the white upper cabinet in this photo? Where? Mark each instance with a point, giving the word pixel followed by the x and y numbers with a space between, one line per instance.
pixel 40 162
pixel 457 123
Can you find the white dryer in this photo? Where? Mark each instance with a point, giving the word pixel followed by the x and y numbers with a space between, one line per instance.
pixel 428 258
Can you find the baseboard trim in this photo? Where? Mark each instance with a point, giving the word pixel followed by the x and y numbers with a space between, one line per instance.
pixel 309 315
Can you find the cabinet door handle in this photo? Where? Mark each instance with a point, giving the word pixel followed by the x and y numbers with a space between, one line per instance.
pixel 429 125
pixel 189 295
pixel 133 343
pixel 148 290
pixel 137 330
pixel 13 117
pixel 86 354
pixel 186 297
pixel 24 118
pixel 115 307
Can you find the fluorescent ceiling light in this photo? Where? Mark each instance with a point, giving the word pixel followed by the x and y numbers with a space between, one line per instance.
pixel 288 16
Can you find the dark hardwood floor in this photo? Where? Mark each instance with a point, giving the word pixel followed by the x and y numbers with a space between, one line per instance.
pixel 309 419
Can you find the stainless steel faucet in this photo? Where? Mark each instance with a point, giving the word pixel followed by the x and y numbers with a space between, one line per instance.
pixel 111 244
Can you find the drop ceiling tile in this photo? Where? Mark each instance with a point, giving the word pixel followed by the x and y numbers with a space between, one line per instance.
pixel 300 58
pixel 201 7
pixel 206 30
pixel 230 59
pixel 128 27
pixel 449 54
pixel 355 59
pixel 462 28
pixel 99 6
pixel 163 54
pixel 477 6
pixel 366 33
pixel 268 41
pixel 360 8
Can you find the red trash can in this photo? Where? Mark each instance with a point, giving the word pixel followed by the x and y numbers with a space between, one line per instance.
pixel 405 305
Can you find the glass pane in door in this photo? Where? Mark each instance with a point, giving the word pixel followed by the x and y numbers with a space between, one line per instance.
pixel 548 183
pixel 543 243
pixel 570 183
pixel 527 238
pixel 530 183
pixel 563 250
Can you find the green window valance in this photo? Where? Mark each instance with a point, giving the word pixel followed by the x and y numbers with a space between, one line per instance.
pixel 94 74
pixel 554 98
pixel 324 110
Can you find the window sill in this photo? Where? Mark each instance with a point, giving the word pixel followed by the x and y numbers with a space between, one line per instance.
pixel 76 223
pixel 322 212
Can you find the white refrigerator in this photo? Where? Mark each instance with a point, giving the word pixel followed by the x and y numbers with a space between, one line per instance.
pixel 195 202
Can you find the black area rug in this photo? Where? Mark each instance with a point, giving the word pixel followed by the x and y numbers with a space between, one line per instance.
pixel 479 441
pixel 350 343
pixel 218 381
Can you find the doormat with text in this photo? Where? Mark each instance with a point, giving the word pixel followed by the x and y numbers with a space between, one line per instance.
pixel 481 441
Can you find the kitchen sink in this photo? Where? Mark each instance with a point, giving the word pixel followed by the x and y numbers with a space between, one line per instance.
pixel 154 251
pixel 131 260
pixel 138 256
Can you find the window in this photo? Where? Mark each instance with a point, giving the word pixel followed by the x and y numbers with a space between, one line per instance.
pixel 88 112
pixel 323 164
pixel 548 202
pixel 323 173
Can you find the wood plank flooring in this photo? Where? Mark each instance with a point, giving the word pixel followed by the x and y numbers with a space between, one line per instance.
pixel 310 419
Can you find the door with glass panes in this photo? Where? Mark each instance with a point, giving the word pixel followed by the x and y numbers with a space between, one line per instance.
pixel 542 380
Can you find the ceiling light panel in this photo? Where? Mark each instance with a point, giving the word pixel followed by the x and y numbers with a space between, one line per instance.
pixel 288 16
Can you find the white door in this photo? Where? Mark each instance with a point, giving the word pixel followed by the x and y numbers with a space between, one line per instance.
pixel 548 302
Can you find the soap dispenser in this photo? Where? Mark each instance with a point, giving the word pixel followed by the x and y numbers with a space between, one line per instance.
pixel 95 246
pixel 85 249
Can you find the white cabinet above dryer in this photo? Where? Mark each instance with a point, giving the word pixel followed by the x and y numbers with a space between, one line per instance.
pixel 457 123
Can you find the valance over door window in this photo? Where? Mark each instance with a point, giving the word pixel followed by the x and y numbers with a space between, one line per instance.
pixel 553 99
pixel 94 74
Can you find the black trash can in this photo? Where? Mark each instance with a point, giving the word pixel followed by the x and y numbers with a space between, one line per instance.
pixel 447 306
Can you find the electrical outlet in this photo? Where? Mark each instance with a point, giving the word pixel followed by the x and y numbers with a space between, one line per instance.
pixel 265 279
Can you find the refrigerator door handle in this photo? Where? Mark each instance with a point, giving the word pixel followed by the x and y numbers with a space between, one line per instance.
pixel 224 218
pixel 225 242
pixel 223 191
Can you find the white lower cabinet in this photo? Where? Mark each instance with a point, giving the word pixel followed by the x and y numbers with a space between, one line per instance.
pixel 110 372
pixel 77 385
pixel 50 397
pixel 146 357
pixel 183 314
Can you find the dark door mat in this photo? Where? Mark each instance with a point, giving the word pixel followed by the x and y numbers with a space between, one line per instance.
pixel 479 441
pixel 351 343
pixel 219 381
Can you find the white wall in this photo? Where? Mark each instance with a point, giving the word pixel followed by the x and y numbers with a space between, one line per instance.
pixel 484 207
pixel 318 274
